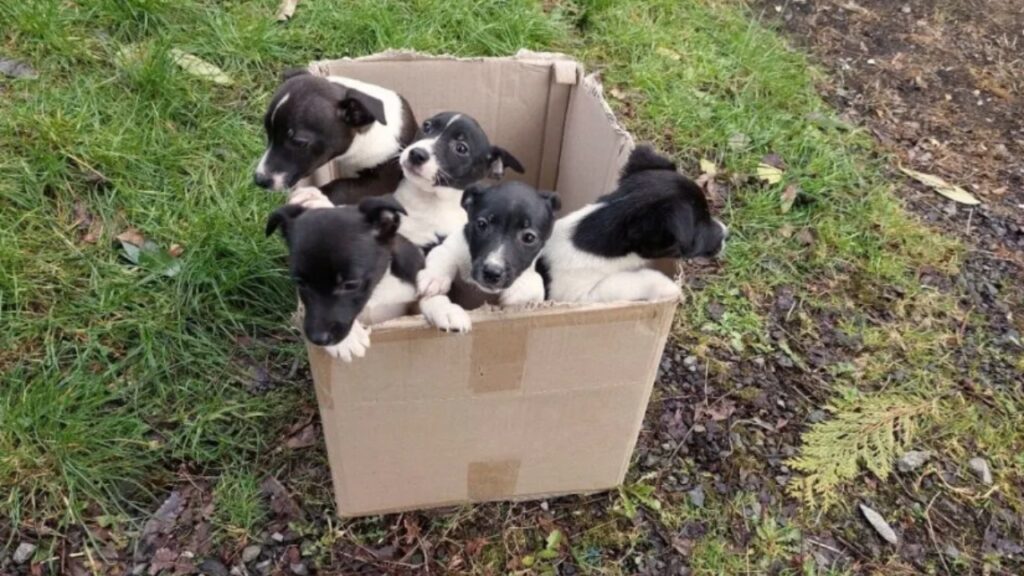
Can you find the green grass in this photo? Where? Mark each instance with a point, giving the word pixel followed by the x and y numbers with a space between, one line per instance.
pixel 238 507
pixel 112 376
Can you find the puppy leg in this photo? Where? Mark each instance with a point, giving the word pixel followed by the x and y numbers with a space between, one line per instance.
pixel 634 285
pixel 528 288
pixel 353 346
pixel 441 266
pixel 310 197
pixel 445 315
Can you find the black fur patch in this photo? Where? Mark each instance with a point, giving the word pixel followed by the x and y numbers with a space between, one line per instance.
pixel 654 212
pixel 462 151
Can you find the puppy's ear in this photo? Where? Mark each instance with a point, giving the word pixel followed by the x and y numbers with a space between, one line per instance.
pixel 384 214
pixel 359 109
pixel 470 196
pixel 282 218
pixel 552 198
pixel 644 158
pixel 499 159
pixel 290 73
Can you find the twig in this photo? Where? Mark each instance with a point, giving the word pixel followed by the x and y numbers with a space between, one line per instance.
pixel 931 533
pixel 825 546
pixel 970 216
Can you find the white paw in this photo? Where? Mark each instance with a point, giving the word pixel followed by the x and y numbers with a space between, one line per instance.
pixel 445 315
pixel 353 346
pixel 309 197
pixel 527 289
pixel 428 285
pixel 665 290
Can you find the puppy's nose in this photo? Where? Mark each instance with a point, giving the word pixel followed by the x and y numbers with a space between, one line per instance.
pixel 417 156
pixel 321 338
pixel 493 273
pixel 262 180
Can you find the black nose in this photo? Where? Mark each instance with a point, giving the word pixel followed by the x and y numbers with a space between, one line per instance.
pixel 493 274
pixel 262 180
pixel 418 156
pixel 322 338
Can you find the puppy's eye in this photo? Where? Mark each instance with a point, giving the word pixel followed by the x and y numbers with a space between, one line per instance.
pixel 350 286
pixel 461 148
pixel 528 237
pixel 299 142
pixel 427 126
pixel 482 224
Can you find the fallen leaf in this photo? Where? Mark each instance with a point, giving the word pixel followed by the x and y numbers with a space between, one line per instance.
pixel 16 69
pixel 165 516
pixel 617 94
pixel 805 237
pixel 768 173
pixel 775 160
pixel 474 546
pixel 951 191
pixel 286 10
pixel 164 559
pixel 739 141
pixel 132 236
pixel 879 524
pixel 668 53
pixel 708 167
pixel 718 411
pixel 788 197
pixel 305 438
pixel 176 250
pixel 281 503
pixel 199 68
pixel 412 530
pixel 554 540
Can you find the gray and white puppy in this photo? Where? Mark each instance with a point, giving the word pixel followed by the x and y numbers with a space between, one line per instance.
pixel 496 253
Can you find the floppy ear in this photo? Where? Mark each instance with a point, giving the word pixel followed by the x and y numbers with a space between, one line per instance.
pixel 552 198
pixel 384 214
pixel 290 73
pixel 470 195
pixel 359 109
pixel 499 159
pixel 282 217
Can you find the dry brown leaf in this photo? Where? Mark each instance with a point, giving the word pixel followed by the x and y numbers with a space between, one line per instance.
pixel 132 236
pixel 789 197
pixel 305 438
pixel 951 191
pixel 176 250
pixel 286 10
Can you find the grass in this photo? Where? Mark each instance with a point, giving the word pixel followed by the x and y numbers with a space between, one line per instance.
pixel 113 375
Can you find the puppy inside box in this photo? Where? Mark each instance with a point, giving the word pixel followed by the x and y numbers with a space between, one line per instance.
pixel 533 402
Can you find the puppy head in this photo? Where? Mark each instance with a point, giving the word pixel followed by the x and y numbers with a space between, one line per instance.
pixel 508 225
pixel 337 256
pixel 454 152
pixel 309 121
pixel 696 232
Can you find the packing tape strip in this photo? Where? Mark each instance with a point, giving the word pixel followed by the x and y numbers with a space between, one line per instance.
pixel 498 359
pixel 492 479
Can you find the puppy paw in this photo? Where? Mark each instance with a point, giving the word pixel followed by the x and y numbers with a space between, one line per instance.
pixel 445 315
pixel 527 289
pixel 353 346
pixel 309 197
pixel 429 285
pixel 665 291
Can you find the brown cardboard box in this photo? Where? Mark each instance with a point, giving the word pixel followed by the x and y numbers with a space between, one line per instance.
pixel 533 402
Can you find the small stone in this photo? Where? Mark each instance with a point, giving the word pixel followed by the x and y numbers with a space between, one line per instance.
pixel 816 416
pixel 905 9
pixel 912 460
pixel 697 496
pixel 298 568
pixel 139 569
pixel 24 552
pixel 238 571
pixel 980 467
pixel 545 506
pixel 759 362
pixel 264 568
pixel 211 567
pixel 251 553
pixel 879 524
pixel 277 537
pixel 951 551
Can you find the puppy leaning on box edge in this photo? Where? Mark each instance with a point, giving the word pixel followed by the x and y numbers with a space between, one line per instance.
pixel 603 251
pixel 453 154
pixel 312 120
pixel 347 261
pixel 496 252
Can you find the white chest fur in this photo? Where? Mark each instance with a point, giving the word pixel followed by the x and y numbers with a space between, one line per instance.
pixel 432 213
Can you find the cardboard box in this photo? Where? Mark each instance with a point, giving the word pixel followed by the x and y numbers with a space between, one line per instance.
pixel 533 402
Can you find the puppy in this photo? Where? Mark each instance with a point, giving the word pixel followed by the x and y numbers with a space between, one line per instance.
pixel 347 262
pixel 602 252
pixel 453 153
pixel 496 252
pixel 312 120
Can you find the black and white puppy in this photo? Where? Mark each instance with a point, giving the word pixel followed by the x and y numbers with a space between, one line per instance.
pixel 453 153
pixel 348 263
pixel 603 251
pixel 312 120
pixel 496 252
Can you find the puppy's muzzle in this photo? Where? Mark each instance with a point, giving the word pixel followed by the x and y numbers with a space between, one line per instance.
pixel 263 180
pixel 418 157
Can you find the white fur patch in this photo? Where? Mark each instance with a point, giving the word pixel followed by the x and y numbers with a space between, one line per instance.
pixel 278 107
pixel 433 211
pixel 352 346
pixel 378 143
pixel 277 179
pixel 497 257
pixel 445 315
pixel 443 264
pixel 426 173
pixel 527 289
pixel 578 276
